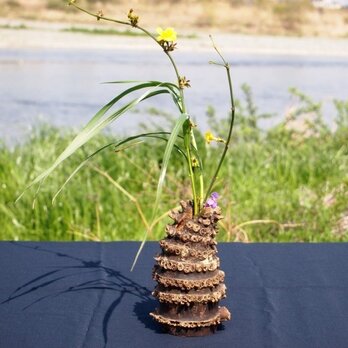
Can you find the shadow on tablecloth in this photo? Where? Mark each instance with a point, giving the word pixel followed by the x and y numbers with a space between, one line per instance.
pixel 79 275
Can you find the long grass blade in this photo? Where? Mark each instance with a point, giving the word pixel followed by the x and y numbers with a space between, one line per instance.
pixel 172 85
pixel 89 132
pixel 169 85
pixel 107 107
pixel 172 88
pixel 154 135
pixel 166 157
pixel 177 147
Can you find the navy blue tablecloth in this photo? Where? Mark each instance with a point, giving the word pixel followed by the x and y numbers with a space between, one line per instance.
pixel 71 295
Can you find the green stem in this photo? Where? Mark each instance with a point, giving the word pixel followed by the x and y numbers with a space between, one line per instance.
pixel 199 200
pixel 192 179
pixel 227 67
pixel 145 32
pixel 173 64
pixel 201 192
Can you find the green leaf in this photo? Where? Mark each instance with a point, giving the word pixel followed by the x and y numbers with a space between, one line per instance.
pixel 166 157
pixel 187 132
pixel 172 88
pixel 107 107
pixel 155 135
pixel 178 148
pixel 166 84
pixel 97 124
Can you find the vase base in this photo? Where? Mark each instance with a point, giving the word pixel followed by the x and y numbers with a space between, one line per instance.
pixel 191 332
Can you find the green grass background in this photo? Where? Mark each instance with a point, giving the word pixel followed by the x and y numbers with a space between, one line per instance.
pixel 288 183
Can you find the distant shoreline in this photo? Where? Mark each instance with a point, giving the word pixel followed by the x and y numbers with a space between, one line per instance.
pixel 15 34
pixel 266 17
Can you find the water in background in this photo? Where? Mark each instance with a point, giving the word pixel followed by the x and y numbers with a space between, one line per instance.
pixel 63 87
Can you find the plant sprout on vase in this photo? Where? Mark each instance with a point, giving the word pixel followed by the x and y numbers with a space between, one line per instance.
pixel 190 283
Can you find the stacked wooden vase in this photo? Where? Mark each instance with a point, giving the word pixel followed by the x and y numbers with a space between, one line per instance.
pixel 190 283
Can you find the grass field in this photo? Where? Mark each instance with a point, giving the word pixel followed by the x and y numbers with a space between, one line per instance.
pixel 289 183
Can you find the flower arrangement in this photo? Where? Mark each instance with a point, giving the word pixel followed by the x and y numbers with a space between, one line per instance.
pixel 190 247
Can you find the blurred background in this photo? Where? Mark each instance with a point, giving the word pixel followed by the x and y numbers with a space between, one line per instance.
pixel 286 175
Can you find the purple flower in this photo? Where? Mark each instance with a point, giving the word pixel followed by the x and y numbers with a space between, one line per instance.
pixel 212 200
pixel 215 196
pixel 210 203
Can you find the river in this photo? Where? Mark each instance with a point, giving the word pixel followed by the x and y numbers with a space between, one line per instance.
pixel 62 86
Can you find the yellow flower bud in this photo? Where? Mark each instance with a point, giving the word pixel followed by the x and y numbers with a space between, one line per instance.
pixel 100 14
pixel 183 82
pixel 195 162
pixel 133 18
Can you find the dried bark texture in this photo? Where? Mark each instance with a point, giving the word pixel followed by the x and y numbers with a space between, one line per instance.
pixel 190 283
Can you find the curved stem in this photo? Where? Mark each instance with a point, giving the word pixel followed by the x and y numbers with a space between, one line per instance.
pixel 145 32
pixel 227 67
pixel 98 17
pixel 173 64
pixel 192 180
pixel 197 202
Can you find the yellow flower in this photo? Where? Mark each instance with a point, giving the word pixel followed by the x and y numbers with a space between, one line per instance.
pixel 209 137
pixel 168 34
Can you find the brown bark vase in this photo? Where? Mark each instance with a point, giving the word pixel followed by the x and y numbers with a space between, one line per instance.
pixel 190 282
